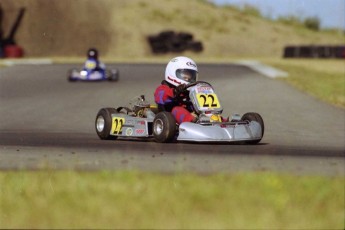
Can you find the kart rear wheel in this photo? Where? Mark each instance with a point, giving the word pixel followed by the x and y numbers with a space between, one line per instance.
pixel 103 123
pixel 71 73
pixel 254 117
pixel 112 75
pixel 164 127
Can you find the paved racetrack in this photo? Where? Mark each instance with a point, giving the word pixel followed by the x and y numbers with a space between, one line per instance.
pixel 48 122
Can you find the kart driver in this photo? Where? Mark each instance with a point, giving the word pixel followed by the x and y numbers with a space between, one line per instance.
pixel 92 63
pixel 172 95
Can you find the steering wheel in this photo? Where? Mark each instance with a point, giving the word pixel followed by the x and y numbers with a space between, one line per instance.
pixel 197 82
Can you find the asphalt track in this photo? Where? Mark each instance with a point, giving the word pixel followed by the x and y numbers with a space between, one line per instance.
pixel 47 122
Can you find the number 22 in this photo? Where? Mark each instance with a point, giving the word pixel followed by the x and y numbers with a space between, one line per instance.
pixel 208 100
pixel 117 125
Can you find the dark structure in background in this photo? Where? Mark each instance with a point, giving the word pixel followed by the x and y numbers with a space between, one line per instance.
pixel 8 46
pixel 170 41
pixel 1 33
pixel 314 51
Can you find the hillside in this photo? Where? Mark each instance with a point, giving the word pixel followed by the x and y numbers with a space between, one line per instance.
pixel 118 28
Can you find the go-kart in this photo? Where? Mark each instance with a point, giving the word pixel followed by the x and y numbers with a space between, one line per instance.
pixel 144 120
pixel 93 75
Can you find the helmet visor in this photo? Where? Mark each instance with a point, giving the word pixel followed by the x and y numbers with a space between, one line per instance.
pixel 187 75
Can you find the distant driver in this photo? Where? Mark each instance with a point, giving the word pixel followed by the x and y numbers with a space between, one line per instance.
pixel 92 63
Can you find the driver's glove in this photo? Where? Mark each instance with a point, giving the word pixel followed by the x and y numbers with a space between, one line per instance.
pixel 180 89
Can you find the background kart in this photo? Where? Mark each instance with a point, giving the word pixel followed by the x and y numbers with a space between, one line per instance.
pixel 93 75
pixel 143 120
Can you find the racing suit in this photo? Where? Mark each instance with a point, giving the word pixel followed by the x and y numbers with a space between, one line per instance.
pixel 178 105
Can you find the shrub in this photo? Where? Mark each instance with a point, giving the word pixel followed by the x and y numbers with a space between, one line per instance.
pixel 312 23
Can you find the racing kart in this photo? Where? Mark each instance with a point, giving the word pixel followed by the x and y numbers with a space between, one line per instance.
pixel 93 75
pixel 144 120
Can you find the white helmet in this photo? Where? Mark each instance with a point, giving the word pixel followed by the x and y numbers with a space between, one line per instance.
pixel 181 70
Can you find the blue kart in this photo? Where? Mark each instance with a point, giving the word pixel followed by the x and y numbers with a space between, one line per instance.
pixel 93 75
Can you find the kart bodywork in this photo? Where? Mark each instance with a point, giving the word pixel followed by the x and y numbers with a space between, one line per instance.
pixel 143 120
pixel 93 75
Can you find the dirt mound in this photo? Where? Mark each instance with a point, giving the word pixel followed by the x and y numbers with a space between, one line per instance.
pixel 119 28
pixel 59 28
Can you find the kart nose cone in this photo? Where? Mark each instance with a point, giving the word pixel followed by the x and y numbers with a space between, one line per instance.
pixel 222 133
pixel 100 123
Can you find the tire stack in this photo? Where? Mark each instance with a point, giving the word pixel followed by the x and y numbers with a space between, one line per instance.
pixel 170 41
pixel 314 51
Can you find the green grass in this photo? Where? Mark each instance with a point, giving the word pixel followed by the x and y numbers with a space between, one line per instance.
pixel 324 79
pixel 133 200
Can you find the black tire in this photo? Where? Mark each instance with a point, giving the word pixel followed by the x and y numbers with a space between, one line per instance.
pixel 254 117
pixel 70 79
pixel 195 46
pixel 186 37
pixel 69 75
pixel 112 75
pixel 154 39
pixel 166 35
pixel 103 123
pixel 164 127
pixel 176 45
pixel 159 47
pixel 290 51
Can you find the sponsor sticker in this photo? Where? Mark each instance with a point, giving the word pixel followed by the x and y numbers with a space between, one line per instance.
pixel 129 132
pixel 141 122
pixel 204 89
pixel 191 64
pixel 139 131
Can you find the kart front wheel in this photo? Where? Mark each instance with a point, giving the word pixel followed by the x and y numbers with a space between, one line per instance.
pixel 254 117
pixel 103 123
pixel 164 127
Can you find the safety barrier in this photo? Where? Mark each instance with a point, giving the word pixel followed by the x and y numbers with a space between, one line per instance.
pixel 314 51
pixel 170 41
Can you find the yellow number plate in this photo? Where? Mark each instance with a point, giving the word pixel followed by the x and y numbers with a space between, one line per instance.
pixel 90 64
pixel 117 124
pixel 209 100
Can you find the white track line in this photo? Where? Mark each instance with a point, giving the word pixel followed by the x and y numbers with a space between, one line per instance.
pixel 265 70
pixel 26 61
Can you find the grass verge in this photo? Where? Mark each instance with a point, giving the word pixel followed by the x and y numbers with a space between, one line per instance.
pixel 324 79
pixel 133 200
